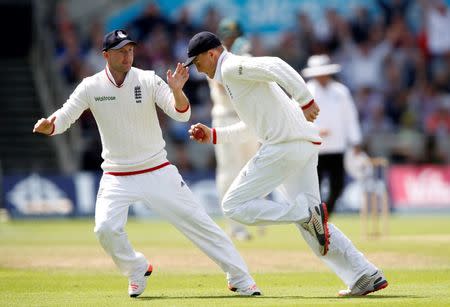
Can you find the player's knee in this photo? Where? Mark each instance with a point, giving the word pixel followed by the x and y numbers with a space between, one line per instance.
pixel 235 214
pixel 229 203
pixel 105 229
pixel 235 210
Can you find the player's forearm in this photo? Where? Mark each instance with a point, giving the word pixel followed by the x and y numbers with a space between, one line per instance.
pixel 181 101
pixel 178 108
pixel 71 110
pixel 236 133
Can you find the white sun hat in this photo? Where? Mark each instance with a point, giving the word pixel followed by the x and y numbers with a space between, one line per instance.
pixel 320 65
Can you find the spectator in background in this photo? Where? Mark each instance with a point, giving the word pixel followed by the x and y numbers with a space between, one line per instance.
pixel 70 59
pixel 94 59
pixel 305 32
pixel 211 19
pixel 258 48
pixel 328 33
pixel 437 27
pixel 184 29
pixel 409 144
pixel 288 50
pixel 370 108
pixel 438 130
pixel 363 60
pixel 361 23
pixel 438 122
pixel 338 123
pixel 392 9
pixel 150 19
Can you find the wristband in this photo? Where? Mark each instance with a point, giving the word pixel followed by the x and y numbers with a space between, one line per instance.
pixel 182 111
pixel 214 136
pixel 308 105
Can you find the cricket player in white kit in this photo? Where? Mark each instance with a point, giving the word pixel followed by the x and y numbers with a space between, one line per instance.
pixel 123 101
pixel 230 157
pixel 287 158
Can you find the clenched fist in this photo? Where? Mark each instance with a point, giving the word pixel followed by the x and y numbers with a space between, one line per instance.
pixel 45 126
pixel 311 112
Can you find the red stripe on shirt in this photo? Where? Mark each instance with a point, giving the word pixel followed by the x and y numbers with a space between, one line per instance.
pixel 138 172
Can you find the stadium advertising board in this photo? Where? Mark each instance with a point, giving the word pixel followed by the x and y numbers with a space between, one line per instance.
pixel 37 195
pixel 420 187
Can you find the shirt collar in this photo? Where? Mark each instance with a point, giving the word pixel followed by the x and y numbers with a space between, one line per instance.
pixel 218 73
pixel 111 78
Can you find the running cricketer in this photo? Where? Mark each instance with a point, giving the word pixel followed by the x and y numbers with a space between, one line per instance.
pixel 287 158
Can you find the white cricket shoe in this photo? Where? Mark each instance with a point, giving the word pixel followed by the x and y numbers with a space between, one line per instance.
pixel 317 226
pixel 253 290
pixel 137 287
pixel 366 284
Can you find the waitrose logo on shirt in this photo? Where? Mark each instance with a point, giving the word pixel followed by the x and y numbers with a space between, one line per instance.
pixel 105 98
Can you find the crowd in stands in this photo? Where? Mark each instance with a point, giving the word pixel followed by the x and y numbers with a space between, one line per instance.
pixel 399 74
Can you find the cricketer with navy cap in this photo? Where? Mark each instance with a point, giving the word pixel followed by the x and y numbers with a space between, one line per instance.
pixel 123 100
pixel 286 159
pixel 200 43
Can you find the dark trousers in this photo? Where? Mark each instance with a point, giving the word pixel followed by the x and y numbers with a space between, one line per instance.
pixel 332 166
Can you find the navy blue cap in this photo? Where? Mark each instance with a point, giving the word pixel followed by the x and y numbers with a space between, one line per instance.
pixel 116 39
pixel 200 43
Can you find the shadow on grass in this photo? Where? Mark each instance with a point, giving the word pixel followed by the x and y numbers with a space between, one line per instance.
pixel 374 297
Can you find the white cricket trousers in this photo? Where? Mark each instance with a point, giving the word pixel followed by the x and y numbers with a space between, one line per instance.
pixel 230 159
pixel 292 167
pixel 166 194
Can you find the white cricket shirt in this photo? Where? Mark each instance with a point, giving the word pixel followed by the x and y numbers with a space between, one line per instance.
pixel 126 117
pixel 222 106
pixel 338 115
pixel 262 106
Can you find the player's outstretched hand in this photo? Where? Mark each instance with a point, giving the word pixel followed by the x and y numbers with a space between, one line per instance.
pixel 177 79
pixel 311 112
pixel 200 133
pixel 45 125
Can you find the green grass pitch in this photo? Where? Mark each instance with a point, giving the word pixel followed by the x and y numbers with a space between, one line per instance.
pixel 60 263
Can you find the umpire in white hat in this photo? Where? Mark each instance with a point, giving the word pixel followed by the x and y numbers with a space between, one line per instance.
pixel 338 122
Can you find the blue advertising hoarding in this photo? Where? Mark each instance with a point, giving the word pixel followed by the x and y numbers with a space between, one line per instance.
pixel 37 195
pixel 41 196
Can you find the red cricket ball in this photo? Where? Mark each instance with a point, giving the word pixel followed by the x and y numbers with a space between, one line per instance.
pixel 198 133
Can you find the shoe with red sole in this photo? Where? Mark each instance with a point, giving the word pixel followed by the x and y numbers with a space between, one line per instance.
pixel 366 284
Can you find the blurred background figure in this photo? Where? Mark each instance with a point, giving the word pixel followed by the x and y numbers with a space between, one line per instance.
pixel 230 158
pixel 338 123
